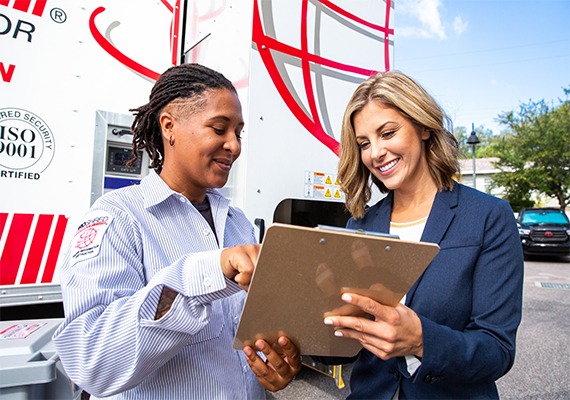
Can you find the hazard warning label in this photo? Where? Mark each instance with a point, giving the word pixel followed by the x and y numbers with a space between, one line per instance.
pixel 322 186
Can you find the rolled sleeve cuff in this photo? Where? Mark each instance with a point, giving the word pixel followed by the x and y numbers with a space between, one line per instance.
pixel 205 279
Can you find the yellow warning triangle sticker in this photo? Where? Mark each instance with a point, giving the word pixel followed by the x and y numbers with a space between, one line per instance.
pixel 328 181
pixel 328 193
pixel 336 194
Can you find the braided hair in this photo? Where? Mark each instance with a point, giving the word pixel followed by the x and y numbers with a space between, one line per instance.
pixel 182 84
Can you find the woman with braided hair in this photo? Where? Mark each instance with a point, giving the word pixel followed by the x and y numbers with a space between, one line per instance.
pixel 152 301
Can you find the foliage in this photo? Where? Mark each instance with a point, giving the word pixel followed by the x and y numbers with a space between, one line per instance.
pixel 534 152
pixel 483 149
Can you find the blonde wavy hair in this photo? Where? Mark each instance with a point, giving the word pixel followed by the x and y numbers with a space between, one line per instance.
pixel 399 91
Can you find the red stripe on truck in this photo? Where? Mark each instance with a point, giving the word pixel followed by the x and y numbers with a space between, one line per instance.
pixel 14 248
pixel 3 218
pixel 22 5
pixel 39 7
pixel 37 249
pixel 54 249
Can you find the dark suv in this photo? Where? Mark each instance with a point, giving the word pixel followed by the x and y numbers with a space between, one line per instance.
pixel 544 231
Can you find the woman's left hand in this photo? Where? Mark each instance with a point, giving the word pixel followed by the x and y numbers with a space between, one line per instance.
pixel 394 331
pixel 283 363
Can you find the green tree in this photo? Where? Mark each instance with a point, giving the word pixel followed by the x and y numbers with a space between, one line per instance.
pixel 490 148
pixel 484 149
pixel 534 152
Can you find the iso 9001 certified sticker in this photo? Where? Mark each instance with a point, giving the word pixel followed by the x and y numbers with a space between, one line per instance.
pixel 26 141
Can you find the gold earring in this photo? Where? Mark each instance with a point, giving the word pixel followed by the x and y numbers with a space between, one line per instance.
pixel 171 141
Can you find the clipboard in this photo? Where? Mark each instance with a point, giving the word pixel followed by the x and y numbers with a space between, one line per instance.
pixel 301 273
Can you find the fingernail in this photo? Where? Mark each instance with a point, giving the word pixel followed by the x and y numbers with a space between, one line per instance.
pixel 283 341
pixel 260 345
pixel 346 297
pixel 328 321
pixel 247 351
pixel 338 333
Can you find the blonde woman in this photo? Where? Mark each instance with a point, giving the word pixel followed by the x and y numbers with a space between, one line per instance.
pixel 453 334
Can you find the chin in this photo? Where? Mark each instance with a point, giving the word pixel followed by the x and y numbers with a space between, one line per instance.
pixel 219 184
pixel 390 184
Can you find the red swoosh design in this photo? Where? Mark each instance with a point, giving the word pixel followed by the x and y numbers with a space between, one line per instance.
pixel 175 29
pixel 114 52
pixel 262 41
pixel 265 44
pixel 123 58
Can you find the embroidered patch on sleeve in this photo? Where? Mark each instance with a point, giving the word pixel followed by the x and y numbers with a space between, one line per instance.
pixel 86 242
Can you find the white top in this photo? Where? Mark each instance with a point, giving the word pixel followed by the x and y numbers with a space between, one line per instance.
pixel 409 231
pixel 133 242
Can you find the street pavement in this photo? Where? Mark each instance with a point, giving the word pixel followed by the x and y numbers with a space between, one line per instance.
pixel 542 366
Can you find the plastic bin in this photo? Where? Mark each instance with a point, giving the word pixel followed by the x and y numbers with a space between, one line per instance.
pixel 29 365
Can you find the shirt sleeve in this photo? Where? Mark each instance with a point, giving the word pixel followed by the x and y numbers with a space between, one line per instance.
pixel 109 340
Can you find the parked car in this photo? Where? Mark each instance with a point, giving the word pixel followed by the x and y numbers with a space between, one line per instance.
pixel 544 231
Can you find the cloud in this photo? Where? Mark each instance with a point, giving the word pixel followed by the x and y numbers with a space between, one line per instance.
pixel 459 26
pixel 428 13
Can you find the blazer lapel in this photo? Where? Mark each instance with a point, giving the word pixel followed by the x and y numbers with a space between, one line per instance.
pixel 440 217
pixel 381 223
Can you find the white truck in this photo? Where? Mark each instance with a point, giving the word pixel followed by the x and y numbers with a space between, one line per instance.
pixel 71 70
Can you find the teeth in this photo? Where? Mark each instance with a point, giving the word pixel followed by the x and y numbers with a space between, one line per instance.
pixel 388 166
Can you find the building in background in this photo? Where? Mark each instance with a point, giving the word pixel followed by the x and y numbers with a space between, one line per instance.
pixel 484 171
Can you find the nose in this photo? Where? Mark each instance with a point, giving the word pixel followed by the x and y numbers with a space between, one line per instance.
pixel 233 145
pixel 377 149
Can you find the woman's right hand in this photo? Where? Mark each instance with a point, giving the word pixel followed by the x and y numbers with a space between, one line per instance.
pixel 238 263
pixel 392 331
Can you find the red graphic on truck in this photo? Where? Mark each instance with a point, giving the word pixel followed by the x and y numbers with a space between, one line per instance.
pixel 276 54
pixel 124 59
pixel 29 247
pixel 26 6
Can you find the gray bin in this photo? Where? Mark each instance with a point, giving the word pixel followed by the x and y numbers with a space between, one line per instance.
pixel 29 365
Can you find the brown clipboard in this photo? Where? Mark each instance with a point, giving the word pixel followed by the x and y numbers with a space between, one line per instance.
pixel 301 273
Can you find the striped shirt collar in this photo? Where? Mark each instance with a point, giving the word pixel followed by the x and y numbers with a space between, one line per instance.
pixel 155 190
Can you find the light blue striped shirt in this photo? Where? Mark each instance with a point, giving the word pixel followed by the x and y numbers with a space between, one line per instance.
pixel 132 242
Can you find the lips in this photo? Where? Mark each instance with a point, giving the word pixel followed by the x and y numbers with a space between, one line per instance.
pixel 224 163
pixel 388 166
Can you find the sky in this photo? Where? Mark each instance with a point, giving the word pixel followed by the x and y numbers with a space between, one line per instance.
pixel 480 58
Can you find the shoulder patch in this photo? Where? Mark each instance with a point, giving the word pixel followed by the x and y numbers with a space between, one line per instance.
pixel 86 242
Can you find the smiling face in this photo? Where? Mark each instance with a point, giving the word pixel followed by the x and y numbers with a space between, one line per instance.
pixel 206 140
pixel 392 147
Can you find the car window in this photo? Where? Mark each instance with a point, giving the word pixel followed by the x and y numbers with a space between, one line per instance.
pixel 544 217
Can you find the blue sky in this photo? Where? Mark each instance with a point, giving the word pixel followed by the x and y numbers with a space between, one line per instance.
pixel 479 58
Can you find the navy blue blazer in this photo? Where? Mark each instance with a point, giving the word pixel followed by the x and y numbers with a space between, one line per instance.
pixel 469 301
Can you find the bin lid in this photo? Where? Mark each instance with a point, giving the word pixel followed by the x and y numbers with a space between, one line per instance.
pixel 27 352
pixel 26 336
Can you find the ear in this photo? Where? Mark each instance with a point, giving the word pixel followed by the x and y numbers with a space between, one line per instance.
pixel 166 121
pixel 426 134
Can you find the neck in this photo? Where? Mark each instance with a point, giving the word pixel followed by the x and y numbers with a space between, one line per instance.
pixel 180 185
pixel 411 205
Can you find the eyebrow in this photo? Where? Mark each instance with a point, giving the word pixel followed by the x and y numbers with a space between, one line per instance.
pixel 218 117
pixel 223 118
pixel 379 128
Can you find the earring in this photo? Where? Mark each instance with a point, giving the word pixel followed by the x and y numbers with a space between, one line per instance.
pixel 171 141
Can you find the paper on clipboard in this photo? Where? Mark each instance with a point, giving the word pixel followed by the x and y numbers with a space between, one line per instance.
pixel 301 273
